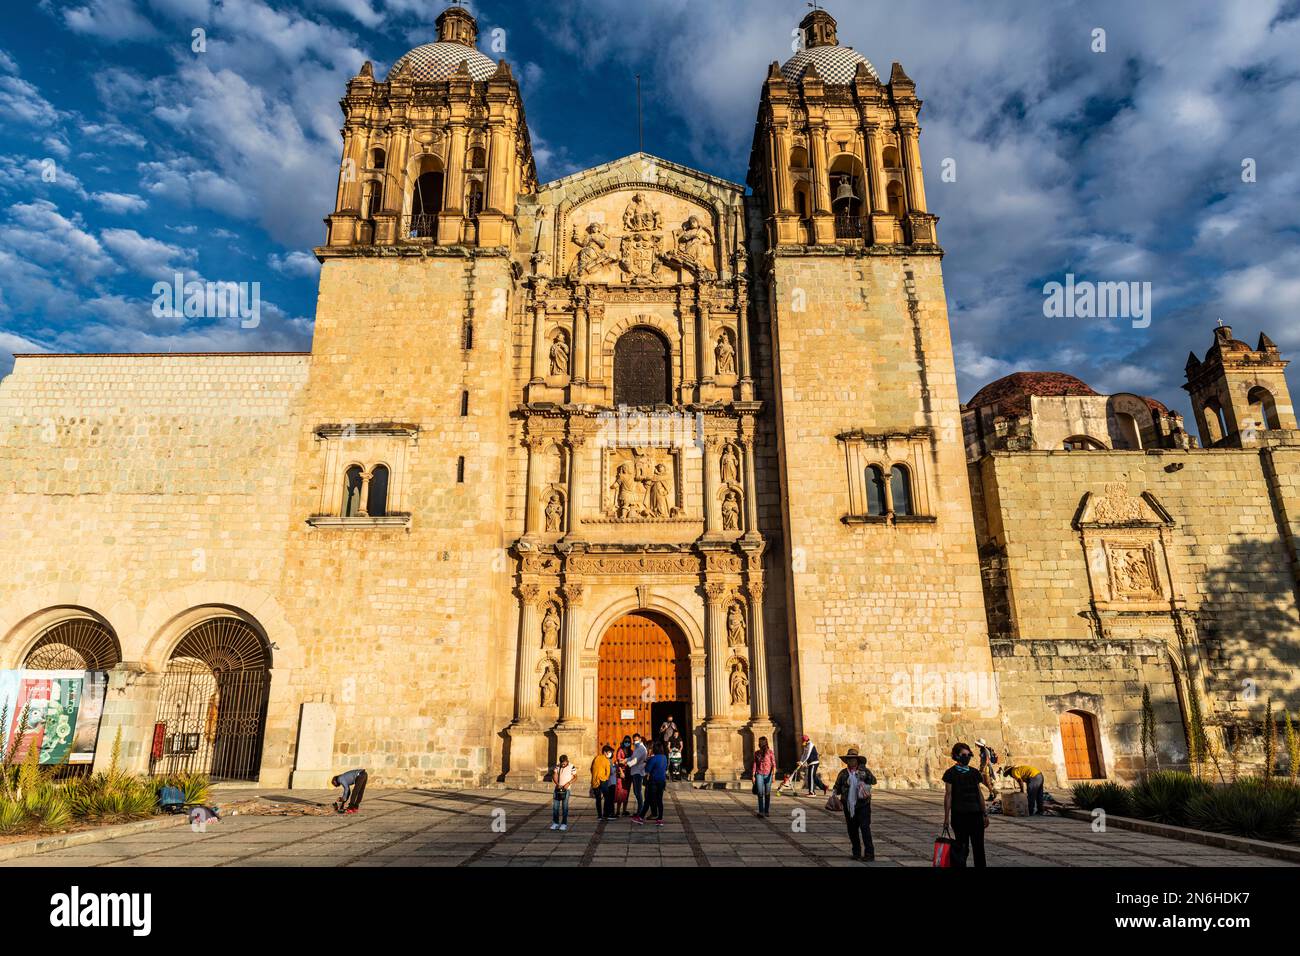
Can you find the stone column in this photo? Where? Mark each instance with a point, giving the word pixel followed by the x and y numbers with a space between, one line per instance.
pixel 575 443
pixel 820 172
pixel 704 364
pixel 875 174
pixel 719 701
pixel 541 356
pixel 130 706
pixel 783 201
pixel 751 479
pixel 363 508
pixel 500 156
pixel 526 699
pixel 533 503
pixel 757 654
pixel 571 677
pixel 708 463
pixel 580 336
pixel 912 163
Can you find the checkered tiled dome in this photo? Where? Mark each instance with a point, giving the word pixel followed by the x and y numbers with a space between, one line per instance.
pixel 438 61
pixel 836 65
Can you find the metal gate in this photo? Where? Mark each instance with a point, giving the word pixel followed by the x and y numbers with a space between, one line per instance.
pixel 78 644
pixel 212 703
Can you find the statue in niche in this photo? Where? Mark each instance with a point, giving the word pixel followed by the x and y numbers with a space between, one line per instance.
pixel 736 626
pixel 551 627
pixel 628 495
pixel 591 249
pixel 691 244
pixel 730 465
pixel 660 505
pixel 549 685
pixel 560 354
pixel 731 512
pixel 555 512
pixel 739 682
pixel 725 355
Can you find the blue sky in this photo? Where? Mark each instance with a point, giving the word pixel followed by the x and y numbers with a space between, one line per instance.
pixel 1122 165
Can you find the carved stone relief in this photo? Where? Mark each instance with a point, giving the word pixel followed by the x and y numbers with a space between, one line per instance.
pixel 555 512
pixel 1133 571
pixel 641 484
pixel 549 685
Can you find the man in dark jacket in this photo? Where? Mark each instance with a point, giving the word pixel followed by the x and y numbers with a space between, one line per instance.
pixel 853 787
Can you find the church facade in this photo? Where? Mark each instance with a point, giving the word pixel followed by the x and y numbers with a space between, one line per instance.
pixel 567 459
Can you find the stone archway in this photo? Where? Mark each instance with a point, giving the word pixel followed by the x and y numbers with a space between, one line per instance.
pixel 643 675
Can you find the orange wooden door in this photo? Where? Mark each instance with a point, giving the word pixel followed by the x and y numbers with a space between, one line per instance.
pixel 642 660
pixel 1079 740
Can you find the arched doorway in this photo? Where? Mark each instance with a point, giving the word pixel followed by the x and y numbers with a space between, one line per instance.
pixel 77 644
pixel 1079 740
pixel 212 704
pixel 644 676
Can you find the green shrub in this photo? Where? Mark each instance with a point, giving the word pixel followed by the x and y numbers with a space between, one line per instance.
pixel 111 798
pixel 194 786
pixel 1163 796
pixel 12 816
pixel 1111 797
pixel 1249 807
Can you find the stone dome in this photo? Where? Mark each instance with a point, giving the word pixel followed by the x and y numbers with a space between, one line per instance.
pixel 836 65
pixel 438 61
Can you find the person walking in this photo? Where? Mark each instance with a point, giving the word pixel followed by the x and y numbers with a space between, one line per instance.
pixel 762 771
pixel 562 775
pixel 964 807
pixel 622 778
pixel 1030 781
pixel 808 763
pixel 656 772
pixel 602 782
pixel 988 759
pixel 667 730
pixel 353 783
pixel 636 768
pixel 853 787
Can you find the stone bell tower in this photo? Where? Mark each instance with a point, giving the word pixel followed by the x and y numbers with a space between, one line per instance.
pixel 888 639
pixel 1239 393
pixel 438 151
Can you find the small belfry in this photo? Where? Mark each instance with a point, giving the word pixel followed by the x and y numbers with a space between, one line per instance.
pixel 1240 394
pixel 836 157
pixel 438 152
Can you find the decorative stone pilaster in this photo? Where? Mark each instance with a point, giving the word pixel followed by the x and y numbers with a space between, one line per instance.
pixel 541 356
pixel 571 676
pixel 709 465
pixel 751 479
pixel 533 503
pixel 574 441
pixel 527 759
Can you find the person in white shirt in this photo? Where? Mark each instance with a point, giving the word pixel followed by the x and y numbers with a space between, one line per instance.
pixel 636 765
pixel 808 763
pixel 562 775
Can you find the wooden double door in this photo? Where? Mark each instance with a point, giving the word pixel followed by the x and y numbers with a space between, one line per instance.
pixel 643 676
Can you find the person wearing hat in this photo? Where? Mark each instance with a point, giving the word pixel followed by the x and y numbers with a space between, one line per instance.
pixel 988 757
pixel 853 787
pixel 808 761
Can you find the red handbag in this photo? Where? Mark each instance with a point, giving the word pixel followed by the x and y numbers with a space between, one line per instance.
pixel 943 845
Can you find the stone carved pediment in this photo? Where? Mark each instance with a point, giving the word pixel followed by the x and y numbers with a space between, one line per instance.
pixel 1115 506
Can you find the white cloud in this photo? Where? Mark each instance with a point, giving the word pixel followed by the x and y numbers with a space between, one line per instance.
pixel 110 20
pixel 120 202
pixel 295 264
pixel 151 258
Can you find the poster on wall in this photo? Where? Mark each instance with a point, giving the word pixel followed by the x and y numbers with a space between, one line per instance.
pixel 63 710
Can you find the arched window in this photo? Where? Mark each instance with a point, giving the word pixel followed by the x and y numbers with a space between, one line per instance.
pixel 78 644
pixel 894 195
pixel 875 490
pixel 1079 741
pixel 1215 428
pixel 890 157
pixel 1263 408
pixel 1082 443
pixel 352 492
pixel 377 497
pixel 478 158
pixel 426 203
pixel 642 370
pixel 798 158
pixel 900 490
pixel 1129 436
pixel 377 158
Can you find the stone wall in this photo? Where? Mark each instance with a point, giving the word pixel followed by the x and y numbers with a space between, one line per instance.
pixel 888 632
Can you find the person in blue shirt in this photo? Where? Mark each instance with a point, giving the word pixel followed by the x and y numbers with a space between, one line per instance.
pixel 656 779
pixel 354 784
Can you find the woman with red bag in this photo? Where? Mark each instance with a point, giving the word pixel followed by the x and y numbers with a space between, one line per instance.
pixel 964 807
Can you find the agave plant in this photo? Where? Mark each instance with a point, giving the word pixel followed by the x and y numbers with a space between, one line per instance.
pixel 1249 807
pixel 1163 796
pixel 194 787
pixel 13 817
pixel 1109 796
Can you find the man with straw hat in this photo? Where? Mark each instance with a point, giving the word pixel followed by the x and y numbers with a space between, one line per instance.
pixel 853 789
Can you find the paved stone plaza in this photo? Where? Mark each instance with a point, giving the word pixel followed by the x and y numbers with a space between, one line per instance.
pixel 702 828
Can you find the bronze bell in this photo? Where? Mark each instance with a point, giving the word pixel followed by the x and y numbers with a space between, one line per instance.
pixel 845 191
